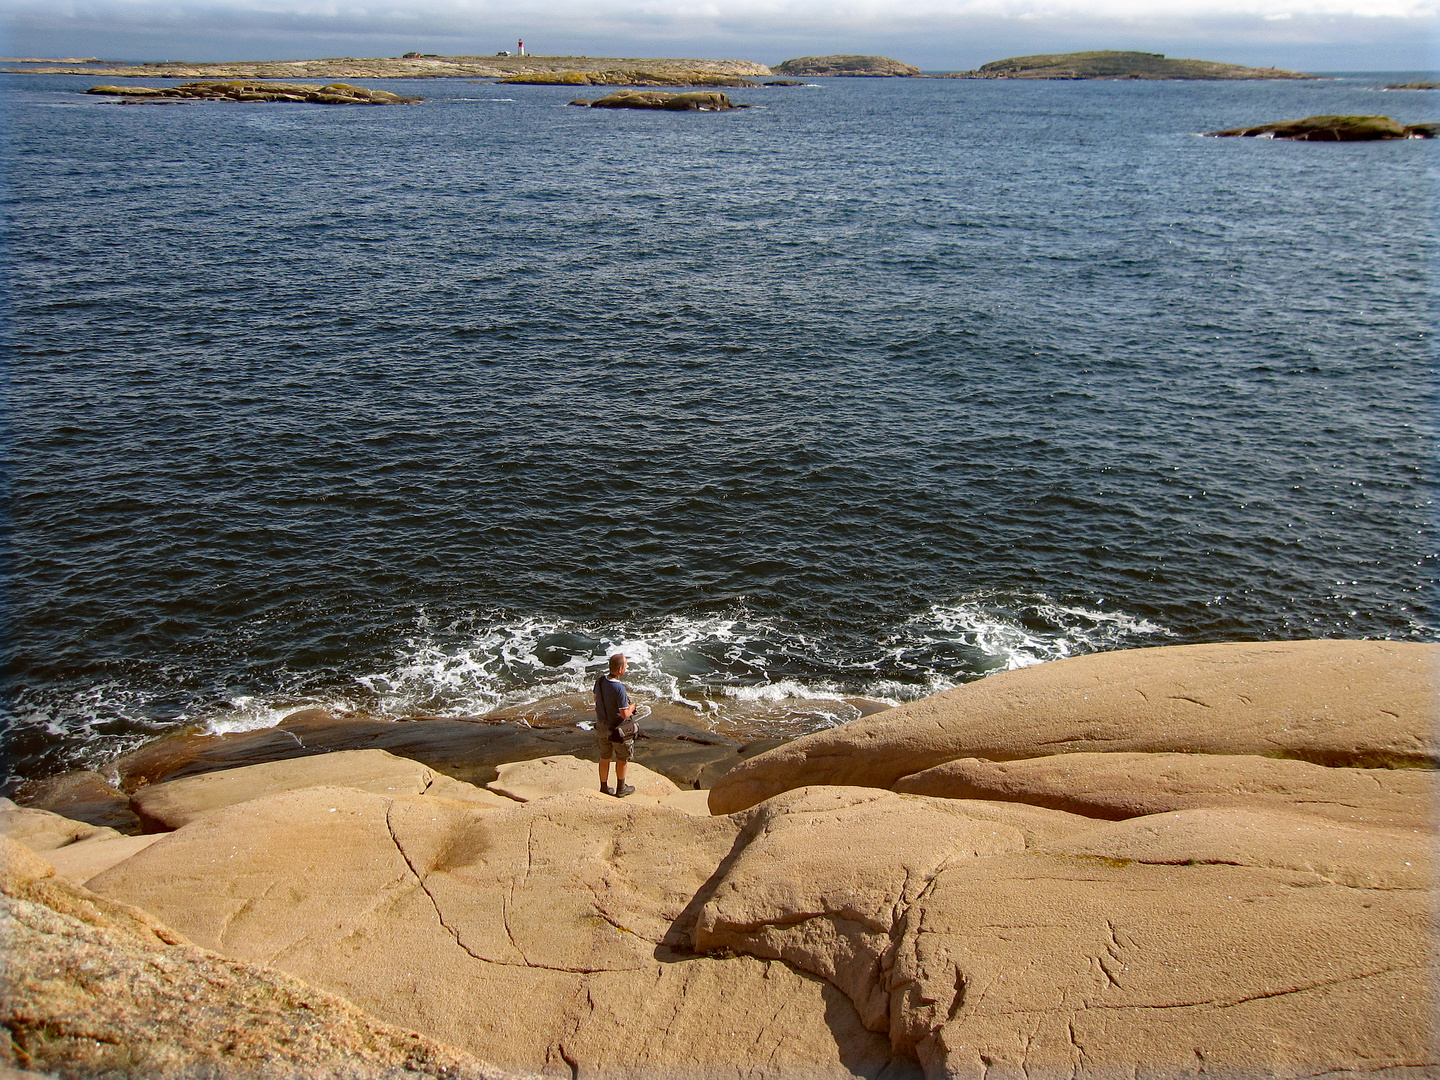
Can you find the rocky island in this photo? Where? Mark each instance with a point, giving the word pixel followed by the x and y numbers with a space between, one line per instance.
pixel 1334 129
pixel 1211 859
pixel 1107 64
pixel 251 90
pixel 697 101
pixel 846 65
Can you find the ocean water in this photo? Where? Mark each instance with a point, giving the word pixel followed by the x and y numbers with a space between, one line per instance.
pixel 867 391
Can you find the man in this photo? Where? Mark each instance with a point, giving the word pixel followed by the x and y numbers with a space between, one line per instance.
pixel 612 706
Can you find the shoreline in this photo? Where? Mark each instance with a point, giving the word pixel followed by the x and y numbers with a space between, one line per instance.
pixel 1050 859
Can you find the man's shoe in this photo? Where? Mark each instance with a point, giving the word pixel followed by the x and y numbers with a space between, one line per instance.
pixel 606 789
pixel 623 790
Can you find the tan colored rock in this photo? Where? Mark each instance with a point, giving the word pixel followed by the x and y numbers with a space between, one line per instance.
pixel 526 781
pixel 91 987
pixel 1124 785
pixel 40 830
pixel 1346 703
pixel 1358 858
pixel 178 802
pixel 689 802
pixel 828 870
pixel 81 861
pixel 553 936
pixel 1047 965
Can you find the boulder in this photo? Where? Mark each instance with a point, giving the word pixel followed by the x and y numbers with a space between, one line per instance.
pixel 82 795
pixel 847 64
pixel 178 802
pixel 1353 704
pixel 1325 129
pixel 92 987
pixel 1126 785
pixel 573 912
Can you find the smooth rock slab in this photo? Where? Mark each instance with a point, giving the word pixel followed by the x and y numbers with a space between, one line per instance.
pixel 40 830
pixel 1126 785
pixel 1345 703
pixel 178 802
pixel 553 936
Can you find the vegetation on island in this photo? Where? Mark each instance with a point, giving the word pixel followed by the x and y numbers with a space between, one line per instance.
pixel 1334 129
pixel 847 65
pixel 1110 64
pixel 334 94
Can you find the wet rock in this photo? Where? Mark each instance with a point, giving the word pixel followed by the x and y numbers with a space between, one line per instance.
pixel 92 987
pixel 1353 704
pixel 467 750
pixel 84 796
pixel 1326 129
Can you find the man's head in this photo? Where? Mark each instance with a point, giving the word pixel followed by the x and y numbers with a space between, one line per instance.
pixel 617 665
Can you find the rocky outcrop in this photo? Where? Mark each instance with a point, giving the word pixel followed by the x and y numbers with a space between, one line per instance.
pixel 846 65
pixel 1415 86
pixel 700 100
pixel 334 94
pixel 551 937
pixel 1110 64
pixel 627 78
pixel 1333 129
pixel 91 987
pixel 1354 704
pixel 1199 860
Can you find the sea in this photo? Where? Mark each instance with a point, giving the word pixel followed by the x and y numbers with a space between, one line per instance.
pixel 866 391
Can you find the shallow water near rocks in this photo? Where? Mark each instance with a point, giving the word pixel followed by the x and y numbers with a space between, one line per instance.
pixel 859 394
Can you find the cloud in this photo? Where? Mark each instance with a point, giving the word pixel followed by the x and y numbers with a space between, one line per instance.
pixel 937 34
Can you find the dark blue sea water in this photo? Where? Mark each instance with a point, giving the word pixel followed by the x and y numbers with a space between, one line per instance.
pixel 869 390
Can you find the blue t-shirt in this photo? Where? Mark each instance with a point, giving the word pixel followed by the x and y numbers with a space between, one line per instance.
pixel 610 698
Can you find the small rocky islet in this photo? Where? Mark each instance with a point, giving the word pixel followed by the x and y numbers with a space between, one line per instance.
pixel 254 90
pixel 1202 859
pixel 696 101
pixel 1333 129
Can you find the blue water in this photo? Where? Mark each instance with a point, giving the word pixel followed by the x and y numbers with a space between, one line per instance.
pixel 869 390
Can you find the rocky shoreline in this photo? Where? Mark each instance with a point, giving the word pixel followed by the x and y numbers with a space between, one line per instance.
pixel 414 67
pixel 1193 859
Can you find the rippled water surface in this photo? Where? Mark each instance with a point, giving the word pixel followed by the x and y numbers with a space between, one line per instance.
pixel 866 391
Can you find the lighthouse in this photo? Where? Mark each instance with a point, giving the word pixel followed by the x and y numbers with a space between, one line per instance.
pixel 520 47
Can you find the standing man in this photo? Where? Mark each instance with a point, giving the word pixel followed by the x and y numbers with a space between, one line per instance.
pixel 612 707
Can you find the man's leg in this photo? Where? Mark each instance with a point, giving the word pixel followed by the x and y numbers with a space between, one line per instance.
pixel 605 773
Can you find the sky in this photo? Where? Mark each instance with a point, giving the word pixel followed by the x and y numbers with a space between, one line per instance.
pixel 936 35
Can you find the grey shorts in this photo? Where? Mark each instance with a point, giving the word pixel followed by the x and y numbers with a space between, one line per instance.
pixel 620 751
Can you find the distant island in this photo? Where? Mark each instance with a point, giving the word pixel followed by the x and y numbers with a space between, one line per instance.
pixel 681 72
pixel 1107 64
pixel 847 65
